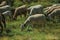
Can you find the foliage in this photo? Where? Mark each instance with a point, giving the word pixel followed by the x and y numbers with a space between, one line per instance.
pixel 43 2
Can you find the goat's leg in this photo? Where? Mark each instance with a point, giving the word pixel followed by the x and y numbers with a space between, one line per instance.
pixel 1 28
pixel 25 15
pixel 4 24
pixel 43 27
pixel 10 17
pixel 4 21
pixel 15 17
pixel 23 26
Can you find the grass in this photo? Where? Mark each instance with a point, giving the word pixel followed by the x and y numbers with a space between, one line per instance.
pixel 52 32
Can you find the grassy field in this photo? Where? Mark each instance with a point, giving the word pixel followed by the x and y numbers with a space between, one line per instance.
pixel 52 31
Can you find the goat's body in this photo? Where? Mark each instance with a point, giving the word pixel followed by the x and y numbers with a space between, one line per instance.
pixel 20 11
pixel 37 19
pixel 36 9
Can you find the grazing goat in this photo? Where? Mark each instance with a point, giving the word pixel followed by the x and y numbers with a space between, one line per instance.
pixel 37 9
pixel 54 14
pixel 8 13
pixel 5 8
pixel 22 10
pixel 37 19
pixel 48 10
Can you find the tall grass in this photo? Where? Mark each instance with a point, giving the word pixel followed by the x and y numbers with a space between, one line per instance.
pixel 51 31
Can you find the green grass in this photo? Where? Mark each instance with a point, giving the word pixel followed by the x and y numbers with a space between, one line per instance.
pixel 52 31
pixel 45 3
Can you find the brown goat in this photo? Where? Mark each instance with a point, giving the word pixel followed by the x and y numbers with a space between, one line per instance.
pixel 20 11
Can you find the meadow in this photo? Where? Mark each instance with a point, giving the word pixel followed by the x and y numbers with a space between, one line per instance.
pixel 51 31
